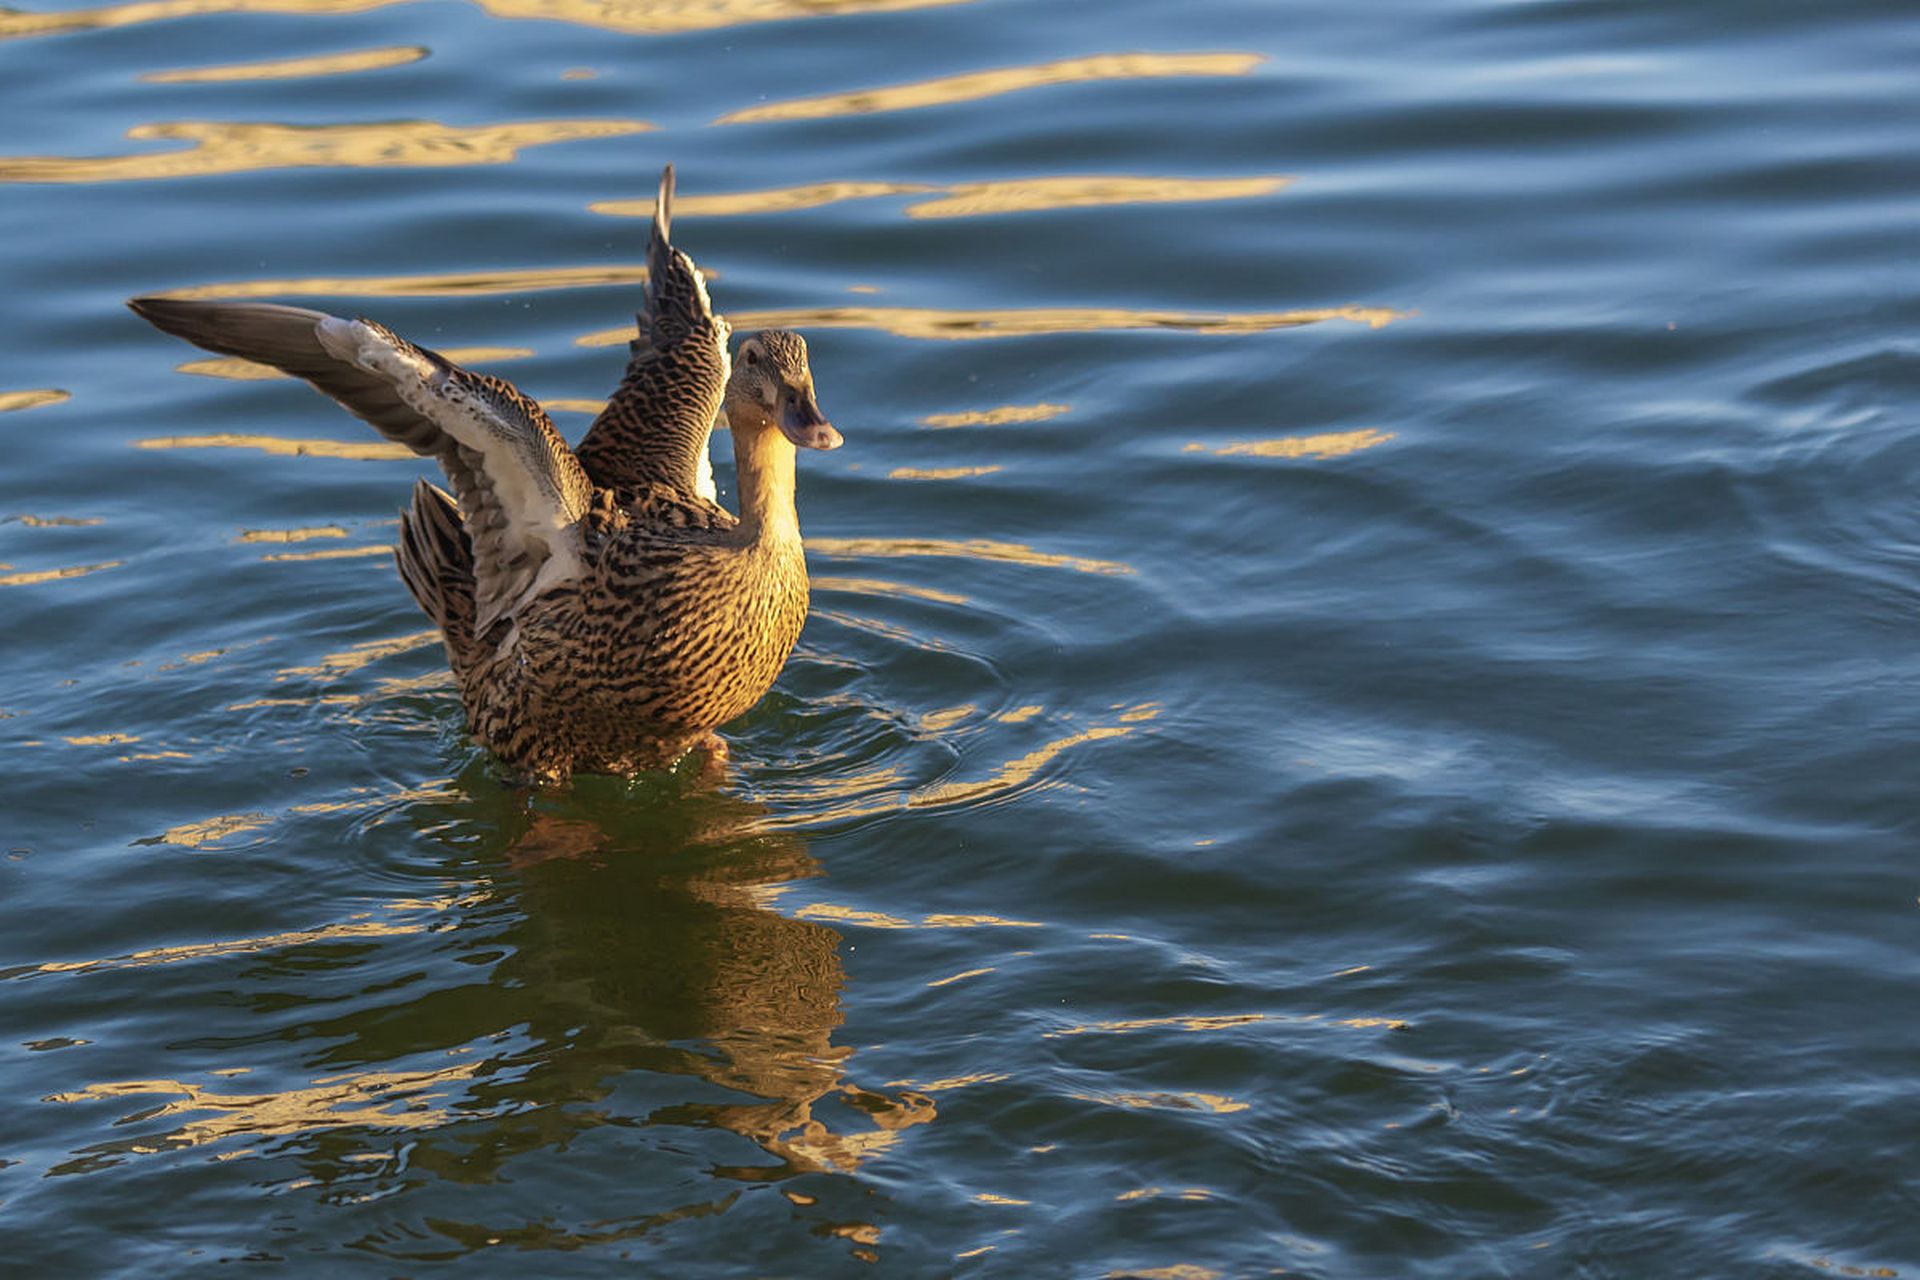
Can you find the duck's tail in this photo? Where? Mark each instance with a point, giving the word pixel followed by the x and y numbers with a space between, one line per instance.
pixel 436 563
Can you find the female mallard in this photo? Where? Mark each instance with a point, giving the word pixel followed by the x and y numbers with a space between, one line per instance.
pixel 602 614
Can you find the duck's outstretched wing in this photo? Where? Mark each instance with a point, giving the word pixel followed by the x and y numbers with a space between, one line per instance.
pixel 656 425
pixel 522 492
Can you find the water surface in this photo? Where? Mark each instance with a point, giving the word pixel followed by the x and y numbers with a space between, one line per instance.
pixel 1356 720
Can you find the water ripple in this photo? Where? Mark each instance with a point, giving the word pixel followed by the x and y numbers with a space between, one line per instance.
pixel 944 325
pixel 637 17
pixel 326 64
pixel 217 147
pixel 977 85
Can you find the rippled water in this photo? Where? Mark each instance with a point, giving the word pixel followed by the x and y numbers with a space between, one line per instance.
pixel 1356 722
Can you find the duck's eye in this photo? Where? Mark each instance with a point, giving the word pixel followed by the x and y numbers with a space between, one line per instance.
pixel 752 355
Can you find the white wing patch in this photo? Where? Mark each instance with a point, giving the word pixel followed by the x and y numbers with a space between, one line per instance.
pixel 703 481
pixel 522 518
pixel 699 280
pixel 703 476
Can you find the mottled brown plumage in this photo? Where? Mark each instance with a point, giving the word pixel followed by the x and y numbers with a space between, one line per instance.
pixel 601 613
pixel 656 424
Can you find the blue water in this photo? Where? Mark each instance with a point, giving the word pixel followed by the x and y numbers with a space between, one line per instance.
pixel 1356 721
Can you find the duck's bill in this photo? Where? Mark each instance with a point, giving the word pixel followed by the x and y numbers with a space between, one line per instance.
pixel 802 423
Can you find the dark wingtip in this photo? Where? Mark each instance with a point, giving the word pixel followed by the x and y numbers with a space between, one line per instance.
pixel 164 313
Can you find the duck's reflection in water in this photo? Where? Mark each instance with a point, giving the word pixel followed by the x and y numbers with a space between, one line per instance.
pixel 648 941
pixel 593 970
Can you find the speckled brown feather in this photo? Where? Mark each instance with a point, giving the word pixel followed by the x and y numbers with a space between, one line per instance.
pixel 435 560
pixel 657 423
pixel 593 683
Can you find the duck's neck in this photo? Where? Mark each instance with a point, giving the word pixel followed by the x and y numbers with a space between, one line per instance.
pixel 763 464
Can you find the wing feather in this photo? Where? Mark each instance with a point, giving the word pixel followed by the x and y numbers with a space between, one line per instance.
pixel 656 425
pixel 522 492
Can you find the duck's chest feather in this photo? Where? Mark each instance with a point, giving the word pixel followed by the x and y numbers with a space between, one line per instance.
pixel 663 641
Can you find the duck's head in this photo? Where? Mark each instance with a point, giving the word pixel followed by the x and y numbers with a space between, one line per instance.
pixel 772 386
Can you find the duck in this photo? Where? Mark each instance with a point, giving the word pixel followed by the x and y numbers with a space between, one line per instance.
pixel 602 612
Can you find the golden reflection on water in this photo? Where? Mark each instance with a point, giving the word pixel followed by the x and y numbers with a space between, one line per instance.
pixel 881 587
pixel 208 655
pixel 365 798
pixel 14 23
pixel 1014 773
pixel 967 199
pixel 377 1099
pixel 1148 1193
pixel 776 200
pixel 901 636
pixel 863 799
pixel 967 549
pixel 384 689
pixel 962 976
pixel 592 407
pixel 833 789
pixel 31 577
pixel 331 553
pixel 55 522
pixel 326 64
pixel 986 84
pixel 1334 444
pixel 207 833
pixel 664 17
pixel 347 931
pixel 996 417
pixel 643 17
pixel 239 147
pixel 368 451
pixel 951 1082
pixel 881 920
pixel 458 284
pixel 1219 1022
pixel 12 400
pixel 292 535
pixel 1214 1022
pixel 332 666
pixel 1828 1264
pixel 235 369
pixel 1218 1103
pixel 1031 195
pixel 928 323
pixel 946 717
pixel 232 368
pixel 941 473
